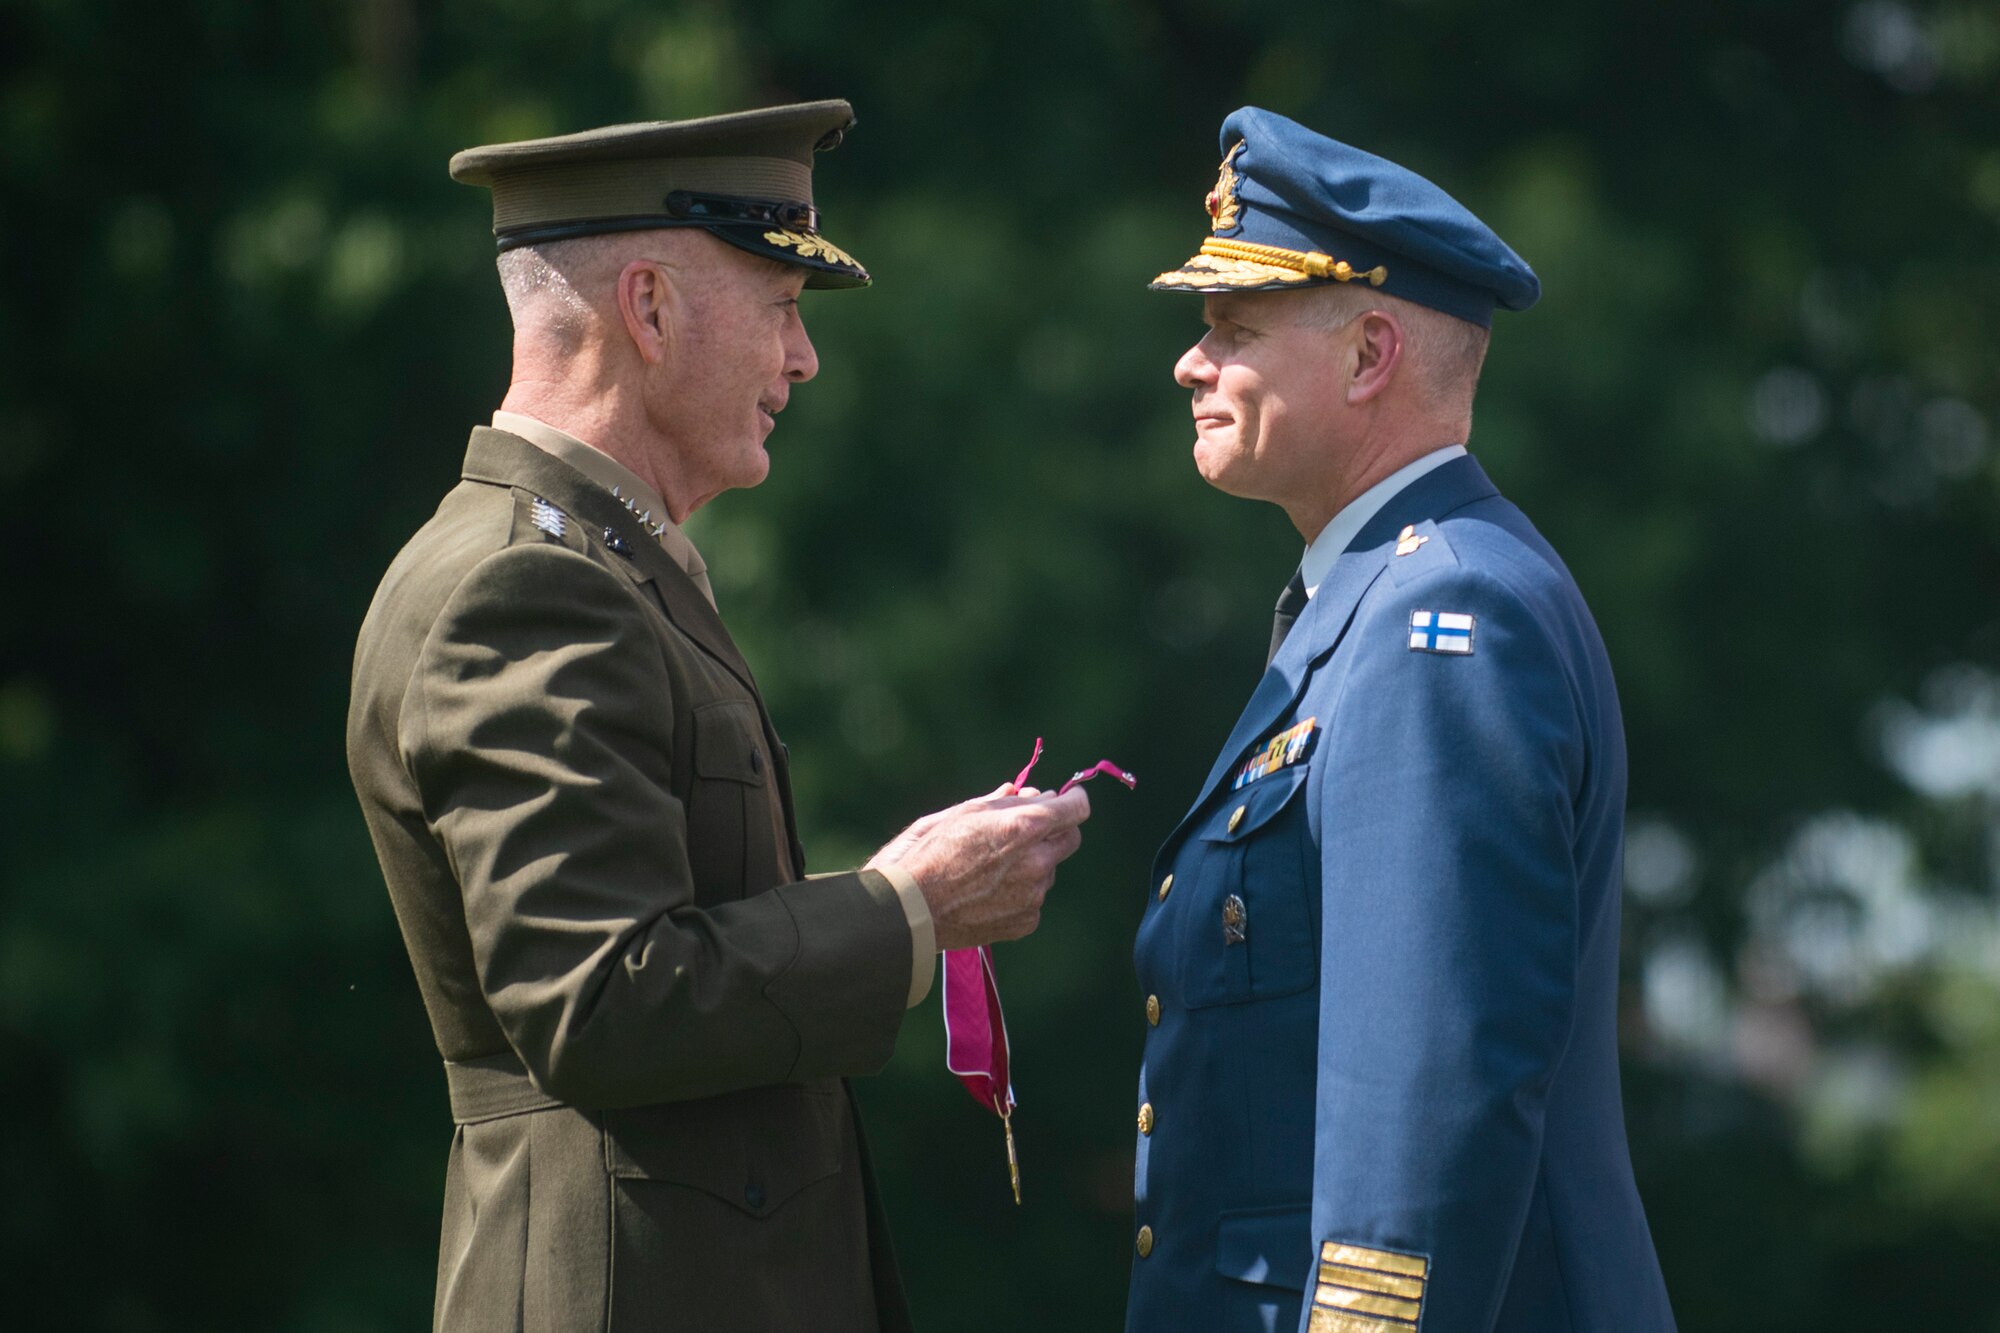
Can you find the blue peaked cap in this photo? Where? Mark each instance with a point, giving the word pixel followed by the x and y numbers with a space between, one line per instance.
pixel 1293 208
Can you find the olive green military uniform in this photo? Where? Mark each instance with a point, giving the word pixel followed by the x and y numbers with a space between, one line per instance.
pixel 645 1010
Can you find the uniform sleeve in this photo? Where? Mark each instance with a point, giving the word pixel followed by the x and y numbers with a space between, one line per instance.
pixel 538 732
pixel 923 933
pixel 1448 956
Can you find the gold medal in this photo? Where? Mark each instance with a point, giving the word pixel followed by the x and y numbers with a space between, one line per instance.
pixel 1013 1160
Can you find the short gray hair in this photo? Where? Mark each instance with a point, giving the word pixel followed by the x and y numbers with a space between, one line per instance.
pixel 555 290
pixel 1446 352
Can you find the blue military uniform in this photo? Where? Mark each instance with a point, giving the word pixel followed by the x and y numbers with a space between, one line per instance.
pixel 1380 1084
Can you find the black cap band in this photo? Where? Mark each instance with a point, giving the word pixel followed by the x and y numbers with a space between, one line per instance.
pixel 726 208
pixel 684 209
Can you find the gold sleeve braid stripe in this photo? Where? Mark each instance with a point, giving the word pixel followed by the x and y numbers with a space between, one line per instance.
pixel 1363 1290
pixel 1360 1302
pixel 1382 1261
pixel 1334 1321
pixel 1361 1279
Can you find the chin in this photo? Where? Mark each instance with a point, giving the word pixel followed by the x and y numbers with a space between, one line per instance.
pixel 1212 460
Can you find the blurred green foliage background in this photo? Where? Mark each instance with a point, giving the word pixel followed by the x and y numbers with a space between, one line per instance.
pixel 248 321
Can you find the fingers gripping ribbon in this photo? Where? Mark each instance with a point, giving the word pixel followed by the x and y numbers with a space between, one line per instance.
pixel 975 1028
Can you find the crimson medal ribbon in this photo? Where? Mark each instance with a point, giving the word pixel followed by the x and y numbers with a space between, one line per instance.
pixel 975 1028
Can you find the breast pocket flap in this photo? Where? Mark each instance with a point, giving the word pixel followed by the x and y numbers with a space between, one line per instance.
pixel 1250 807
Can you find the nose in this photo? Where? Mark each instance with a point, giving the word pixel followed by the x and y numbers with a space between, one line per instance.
pixel 1194 369
pixel 801 361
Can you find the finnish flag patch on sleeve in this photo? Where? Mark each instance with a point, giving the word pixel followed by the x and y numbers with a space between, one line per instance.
pixel 1440 632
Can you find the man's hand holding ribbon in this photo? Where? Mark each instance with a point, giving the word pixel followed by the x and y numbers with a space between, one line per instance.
pixel 985 865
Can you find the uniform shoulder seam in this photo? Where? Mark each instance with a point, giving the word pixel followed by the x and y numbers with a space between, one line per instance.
pixel 511 552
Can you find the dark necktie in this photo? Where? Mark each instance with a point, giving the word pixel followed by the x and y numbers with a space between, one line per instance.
pixel 1290 602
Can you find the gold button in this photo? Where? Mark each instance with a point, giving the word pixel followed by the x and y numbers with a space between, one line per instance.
pixel 1166 885
pixel 1146 1118
pixel 1145 1243
pixel 1153 1010
pixel 1237 818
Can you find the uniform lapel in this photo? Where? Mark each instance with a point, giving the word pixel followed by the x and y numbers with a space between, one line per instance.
pixel 505 459
pixel 508 460
pixel 1323 624
pixel 688 609
pixel 1318 631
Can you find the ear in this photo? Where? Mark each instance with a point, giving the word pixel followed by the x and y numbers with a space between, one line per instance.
pixel 650 304
pixel 1378 351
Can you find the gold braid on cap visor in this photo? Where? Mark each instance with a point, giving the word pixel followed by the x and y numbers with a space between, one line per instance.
pixel 1223 264
pixel 1309 262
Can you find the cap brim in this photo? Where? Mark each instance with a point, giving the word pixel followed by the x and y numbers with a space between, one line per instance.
pixel 794 132
pixel 828 266
pixel 1211 273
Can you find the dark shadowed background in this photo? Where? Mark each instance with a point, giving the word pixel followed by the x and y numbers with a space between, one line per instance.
pixel 248 321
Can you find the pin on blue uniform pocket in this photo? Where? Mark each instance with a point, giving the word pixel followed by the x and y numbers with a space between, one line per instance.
pixel 1245 896
pixel 1235 920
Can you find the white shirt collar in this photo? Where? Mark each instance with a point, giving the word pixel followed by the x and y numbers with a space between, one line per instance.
pixel 1347 524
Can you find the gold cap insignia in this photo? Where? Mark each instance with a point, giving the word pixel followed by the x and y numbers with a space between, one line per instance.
pixel 812 245
pixel 1226 264
pixel 1222 208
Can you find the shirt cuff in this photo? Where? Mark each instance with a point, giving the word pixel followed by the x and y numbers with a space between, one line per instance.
pixel 923 933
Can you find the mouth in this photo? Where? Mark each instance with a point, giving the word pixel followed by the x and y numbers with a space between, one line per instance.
pixel 770 407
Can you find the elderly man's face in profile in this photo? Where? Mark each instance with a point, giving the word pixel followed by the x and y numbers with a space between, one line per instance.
pixel 741 348
pixel 1264 391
